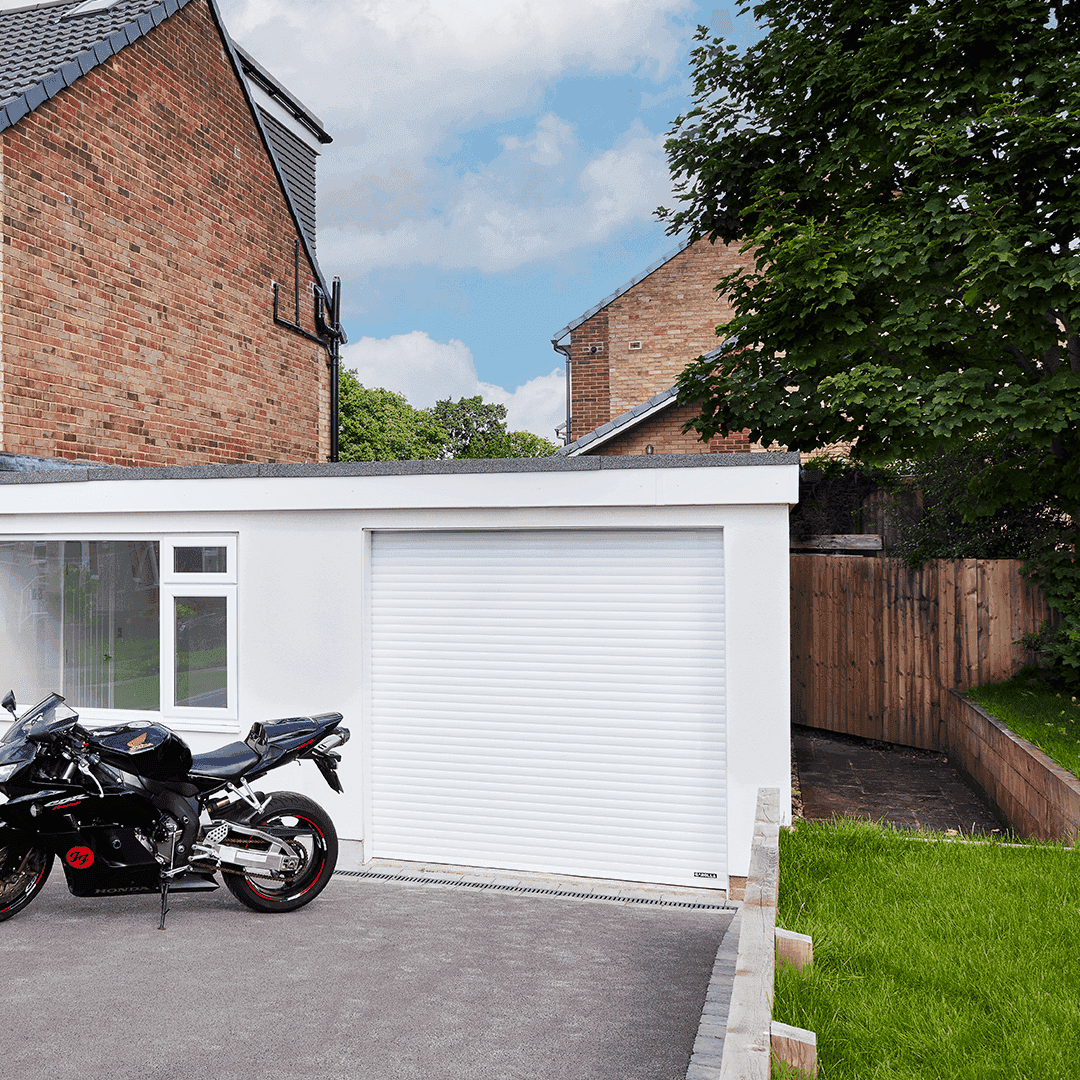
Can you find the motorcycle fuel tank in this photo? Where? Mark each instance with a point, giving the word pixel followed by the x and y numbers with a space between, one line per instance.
pixel 145 749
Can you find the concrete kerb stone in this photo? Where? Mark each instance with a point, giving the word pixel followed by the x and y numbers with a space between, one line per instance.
pixel 742 1048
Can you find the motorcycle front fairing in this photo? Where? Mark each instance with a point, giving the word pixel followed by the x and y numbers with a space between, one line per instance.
pixel 103 842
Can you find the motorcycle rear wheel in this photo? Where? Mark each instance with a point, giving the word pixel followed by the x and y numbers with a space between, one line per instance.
pixel 309 829
pixel 24 869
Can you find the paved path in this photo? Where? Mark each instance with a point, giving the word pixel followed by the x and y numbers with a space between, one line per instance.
pixel 841 776
pixel 377 979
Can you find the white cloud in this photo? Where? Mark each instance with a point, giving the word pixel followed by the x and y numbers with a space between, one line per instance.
pixel 521 208
pixel 425 371
pixel 415 64
pixel 397 83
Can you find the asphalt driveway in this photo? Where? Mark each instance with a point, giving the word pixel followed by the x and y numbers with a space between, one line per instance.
pixel 374 979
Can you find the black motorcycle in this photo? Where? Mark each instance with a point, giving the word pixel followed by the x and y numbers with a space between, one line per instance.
pixel 129 810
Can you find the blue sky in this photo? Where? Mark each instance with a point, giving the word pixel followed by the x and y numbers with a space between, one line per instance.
pixel 493 174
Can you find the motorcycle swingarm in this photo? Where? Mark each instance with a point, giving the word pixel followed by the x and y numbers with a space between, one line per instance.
pixel 284 860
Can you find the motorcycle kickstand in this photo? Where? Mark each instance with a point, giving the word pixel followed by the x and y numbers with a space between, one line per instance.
pixel 164 903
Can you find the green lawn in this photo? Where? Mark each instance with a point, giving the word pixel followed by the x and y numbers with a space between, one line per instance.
pixel 932 958
pixel 1033 708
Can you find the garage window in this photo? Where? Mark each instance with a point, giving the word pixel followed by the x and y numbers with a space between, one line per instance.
pixel 142 625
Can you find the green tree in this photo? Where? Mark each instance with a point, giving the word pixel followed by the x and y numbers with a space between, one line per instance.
pixel 477 429
pixel 526 444
pixel 907 173
pixel 379 425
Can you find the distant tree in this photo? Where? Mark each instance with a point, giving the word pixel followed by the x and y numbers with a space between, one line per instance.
pixel 477 429
pixel 526 444
pixel 379 425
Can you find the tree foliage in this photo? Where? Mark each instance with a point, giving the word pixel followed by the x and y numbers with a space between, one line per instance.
pixel 907 173
pixel 907 176
pixel 379 425
pixel 477 429
pixel 950 526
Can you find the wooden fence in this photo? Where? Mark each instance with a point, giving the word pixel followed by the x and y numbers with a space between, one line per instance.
pixel 876 645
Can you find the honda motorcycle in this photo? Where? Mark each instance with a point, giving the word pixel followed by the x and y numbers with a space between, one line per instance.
pixel 128 809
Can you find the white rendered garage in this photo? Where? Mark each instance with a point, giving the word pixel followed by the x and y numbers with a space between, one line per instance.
pixel 579 667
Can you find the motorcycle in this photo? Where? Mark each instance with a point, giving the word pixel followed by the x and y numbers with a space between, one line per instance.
pixel 129 809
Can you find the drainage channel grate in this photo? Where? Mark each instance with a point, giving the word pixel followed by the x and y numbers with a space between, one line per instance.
pixel 538 892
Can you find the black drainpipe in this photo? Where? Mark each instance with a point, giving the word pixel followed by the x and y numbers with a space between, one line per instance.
pixel 330 329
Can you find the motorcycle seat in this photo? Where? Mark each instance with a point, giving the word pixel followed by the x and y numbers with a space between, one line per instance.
pixel 225 763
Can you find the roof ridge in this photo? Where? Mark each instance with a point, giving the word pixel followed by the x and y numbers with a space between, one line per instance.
pixel 627 419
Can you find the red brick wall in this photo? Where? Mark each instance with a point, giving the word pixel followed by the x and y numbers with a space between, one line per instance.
pixel 663 432
pixel 673 313
pixel 143 228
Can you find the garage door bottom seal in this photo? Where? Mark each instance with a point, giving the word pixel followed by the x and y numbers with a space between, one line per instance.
pixel 539 892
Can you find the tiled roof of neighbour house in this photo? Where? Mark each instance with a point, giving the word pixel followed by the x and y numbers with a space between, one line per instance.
pixel 257 74
pixel 591 439
pixel 657 403
pixel 295 133
pixel 45 48
pixel 651 269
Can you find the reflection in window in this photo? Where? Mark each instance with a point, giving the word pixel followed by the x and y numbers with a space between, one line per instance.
pixel 199 560
pixel 82 618
pixel 201 651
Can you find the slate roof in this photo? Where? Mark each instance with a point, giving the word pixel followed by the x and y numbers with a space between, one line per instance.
pixel 657 403
pixel 45 48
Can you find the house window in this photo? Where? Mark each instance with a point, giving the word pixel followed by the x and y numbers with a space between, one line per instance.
pixel 144 625
pixel 635 345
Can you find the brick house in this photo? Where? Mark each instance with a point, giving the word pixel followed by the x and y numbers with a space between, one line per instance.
pixel 160 287
pixel 625 354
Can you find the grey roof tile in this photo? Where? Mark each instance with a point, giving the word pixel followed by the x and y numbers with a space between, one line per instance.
pixel 37 41
pixel 626 420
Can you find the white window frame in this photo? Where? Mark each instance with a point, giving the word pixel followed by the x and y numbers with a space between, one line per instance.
pixel 171 542
pixel 197 717
pixel 171 585
pixel 175 584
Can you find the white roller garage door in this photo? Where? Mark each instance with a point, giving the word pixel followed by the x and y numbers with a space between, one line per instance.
pixel 550 700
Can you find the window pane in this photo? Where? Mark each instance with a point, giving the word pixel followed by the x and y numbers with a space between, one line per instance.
pixel 199 560
pixel 201 653
pixel 81 618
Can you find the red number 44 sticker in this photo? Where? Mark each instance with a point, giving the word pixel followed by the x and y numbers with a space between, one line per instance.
pixel 82 858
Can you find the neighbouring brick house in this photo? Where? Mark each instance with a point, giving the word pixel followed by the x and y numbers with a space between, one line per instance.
pixel 158 188
pixel 626 353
